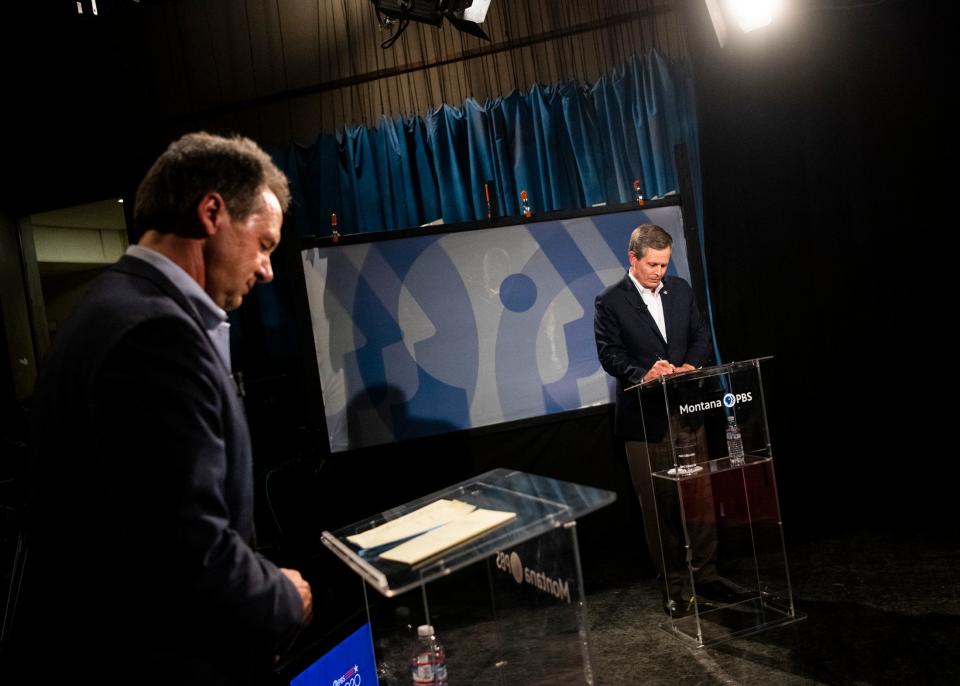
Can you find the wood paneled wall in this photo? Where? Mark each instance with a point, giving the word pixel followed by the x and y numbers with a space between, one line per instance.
pixel 284 70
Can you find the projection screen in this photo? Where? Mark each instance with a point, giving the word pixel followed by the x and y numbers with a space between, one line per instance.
pixel 425 334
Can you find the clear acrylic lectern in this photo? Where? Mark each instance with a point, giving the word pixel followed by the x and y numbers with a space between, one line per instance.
pixel 721 535
pixel 508 605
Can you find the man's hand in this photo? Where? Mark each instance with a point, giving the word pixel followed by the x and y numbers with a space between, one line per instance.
pixel 306 596
pixel 685 368
pixel 661 368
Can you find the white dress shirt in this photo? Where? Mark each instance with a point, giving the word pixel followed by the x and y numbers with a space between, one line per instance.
pixel 653 302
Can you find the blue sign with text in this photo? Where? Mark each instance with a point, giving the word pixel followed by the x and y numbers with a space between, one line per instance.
pixel 351 663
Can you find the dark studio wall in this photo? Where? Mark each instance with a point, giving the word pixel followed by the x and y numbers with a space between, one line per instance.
pixel 824 162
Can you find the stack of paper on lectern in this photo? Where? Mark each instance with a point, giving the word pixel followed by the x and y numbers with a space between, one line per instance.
pixel 428 517
pixel 447 536
pixel 431 530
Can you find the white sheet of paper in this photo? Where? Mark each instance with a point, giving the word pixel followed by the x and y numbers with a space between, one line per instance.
pixel 426 518
pixel 447 536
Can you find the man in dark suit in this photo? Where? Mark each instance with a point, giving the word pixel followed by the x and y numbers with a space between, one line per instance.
pixel 647 326
pixel 141 562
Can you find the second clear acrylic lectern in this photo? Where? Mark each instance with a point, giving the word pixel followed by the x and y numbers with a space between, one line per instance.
pixel 508 605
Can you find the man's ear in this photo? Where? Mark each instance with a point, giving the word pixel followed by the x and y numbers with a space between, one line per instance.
pixel 211 210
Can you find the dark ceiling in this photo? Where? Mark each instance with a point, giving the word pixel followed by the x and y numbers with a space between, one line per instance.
pixel 90 98
pixel 63 95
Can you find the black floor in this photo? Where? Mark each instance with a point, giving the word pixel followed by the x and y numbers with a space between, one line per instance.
pixel 882 608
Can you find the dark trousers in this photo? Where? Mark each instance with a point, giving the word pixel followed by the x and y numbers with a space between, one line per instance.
pixel 663 524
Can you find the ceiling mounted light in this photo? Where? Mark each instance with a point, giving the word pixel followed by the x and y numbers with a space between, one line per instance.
pixel 464 15
pixel 747 15
pixel 753 14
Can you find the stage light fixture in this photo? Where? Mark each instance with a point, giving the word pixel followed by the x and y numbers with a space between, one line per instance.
pixel 753 14
pixel 747 15
pixel 476 12
pixel 465 15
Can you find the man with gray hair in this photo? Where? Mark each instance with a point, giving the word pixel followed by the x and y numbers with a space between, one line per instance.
pixel 142 564
pixel 648 325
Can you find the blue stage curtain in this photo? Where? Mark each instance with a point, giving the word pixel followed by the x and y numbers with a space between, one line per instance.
pixel 569 145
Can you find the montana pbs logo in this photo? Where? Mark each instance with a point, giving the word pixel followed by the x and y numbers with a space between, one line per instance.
pixel 728 400
pixel 511 563
pixel 350 678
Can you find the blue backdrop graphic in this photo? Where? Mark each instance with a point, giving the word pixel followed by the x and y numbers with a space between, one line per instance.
pixel 426 334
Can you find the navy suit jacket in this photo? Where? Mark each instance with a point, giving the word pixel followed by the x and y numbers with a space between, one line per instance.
pixel 629 342
pixel 141 496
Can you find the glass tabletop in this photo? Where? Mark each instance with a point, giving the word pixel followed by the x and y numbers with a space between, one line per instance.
pixel 540 504
pixel 702 373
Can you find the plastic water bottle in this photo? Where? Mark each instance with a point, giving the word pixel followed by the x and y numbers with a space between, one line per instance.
pixel 638 192
pixel 525 204
pixel 334 232
pixel 734 443
pixel 429 665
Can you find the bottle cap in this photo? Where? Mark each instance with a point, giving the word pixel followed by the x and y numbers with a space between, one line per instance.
pixel 425 630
